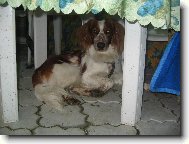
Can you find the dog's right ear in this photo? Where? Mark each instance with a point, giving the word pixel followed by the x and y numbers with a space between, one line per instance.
pixel 118 37
pixel 83 35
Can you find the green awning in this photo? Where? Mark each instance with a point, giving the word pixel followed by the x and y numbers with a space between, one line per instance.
pixel 160 13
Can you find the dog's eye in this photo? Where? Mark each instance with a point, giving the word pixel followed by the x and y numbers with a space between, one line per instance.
pixel 95 31
pixel 108 31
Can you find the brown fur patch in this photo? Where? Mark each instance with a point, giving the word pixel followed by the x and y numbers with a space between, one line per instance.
pixel 112 70
pixel 86 33
pixel 109 30
pixel 83 69
pixel 45 70
pixel 72 101
pixel 118 37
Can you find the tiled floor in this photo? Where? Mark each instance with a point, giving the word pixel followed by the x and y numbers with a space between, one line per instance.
pixel 94 116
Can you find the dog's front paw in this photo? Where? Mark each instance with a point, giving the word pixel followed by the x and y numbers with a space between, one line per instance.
pixel 97 93
pixel 72 101
pixel 107 85
pixel 79 91
pixel 118 79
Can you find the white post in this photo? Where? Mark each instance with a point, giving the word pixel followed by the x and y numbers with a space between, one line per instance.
pixel 40 38
pixel 8 64
pixel 133 73
pixel 57 22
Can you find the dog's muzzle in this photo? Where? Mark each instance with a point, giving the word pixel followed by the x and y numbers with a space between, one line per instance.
pixel 100 42
pixel 101 46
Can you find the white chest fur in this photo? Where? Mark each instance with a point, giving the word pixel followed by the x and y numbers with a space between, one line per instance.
pixel 96 67
pixel 94 70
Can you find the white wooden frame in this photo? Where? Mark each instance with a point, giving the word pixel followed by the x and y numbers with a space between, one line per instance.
pixel 8 71
pixel 39 26
pixel 133 73
pixel 57 21
pixel 133 69
pixel 40 38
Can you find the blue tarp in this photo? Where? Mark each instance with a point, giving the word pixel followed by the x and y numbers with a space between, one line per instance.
pixel 167 75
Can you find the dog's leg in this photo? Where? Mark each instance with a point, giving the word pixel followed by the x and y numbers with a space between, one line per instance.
pixel 106 84
pixel 55 101
pixel 84 91
pixel 117 78
pixel 100 85
pixel 117 75
pixel 52 96
pixel 55 97
pixel 98 82
pixel 96 88
pixel 79 89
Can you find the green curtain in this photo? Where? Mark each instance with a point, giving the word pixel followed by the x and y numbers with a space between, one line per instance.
pixel 160 13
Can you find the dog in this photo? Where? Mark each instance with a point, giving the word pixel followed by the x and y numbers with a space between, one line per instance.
pixel 92 70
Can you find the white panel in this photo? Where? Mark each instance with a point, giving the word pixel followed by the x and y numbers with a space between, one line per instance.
pixel 1 107
pixel 8 64
pixel 40 38
pixel 30 22
pixel 57 21
pixel 133 73
pixel 157 34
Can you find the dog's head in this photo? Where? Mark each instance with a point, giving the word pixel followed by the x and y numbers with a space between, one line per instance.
pixel 101 36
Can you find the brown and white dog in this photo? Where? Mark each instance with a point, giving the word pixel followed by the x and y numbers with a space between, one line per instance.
pixel 85 72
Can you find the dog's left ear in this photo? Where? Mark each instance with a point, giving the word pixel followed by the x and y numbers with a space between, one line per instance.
pixel 118 37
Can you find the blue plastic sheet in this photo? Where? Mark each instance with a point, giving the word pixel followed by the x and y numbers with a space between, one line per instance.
pixel 167 75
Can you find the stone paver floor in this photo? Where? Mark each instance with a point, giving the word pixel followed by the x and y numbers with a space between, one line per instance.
pixel 94 116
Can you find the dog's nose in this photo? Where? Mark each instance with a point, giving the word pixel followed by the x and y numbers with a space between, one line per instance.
pixel 100 45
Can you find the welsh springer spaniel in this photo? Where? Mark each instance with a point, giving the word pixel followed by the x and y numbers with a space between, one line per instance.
pixel 88 72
